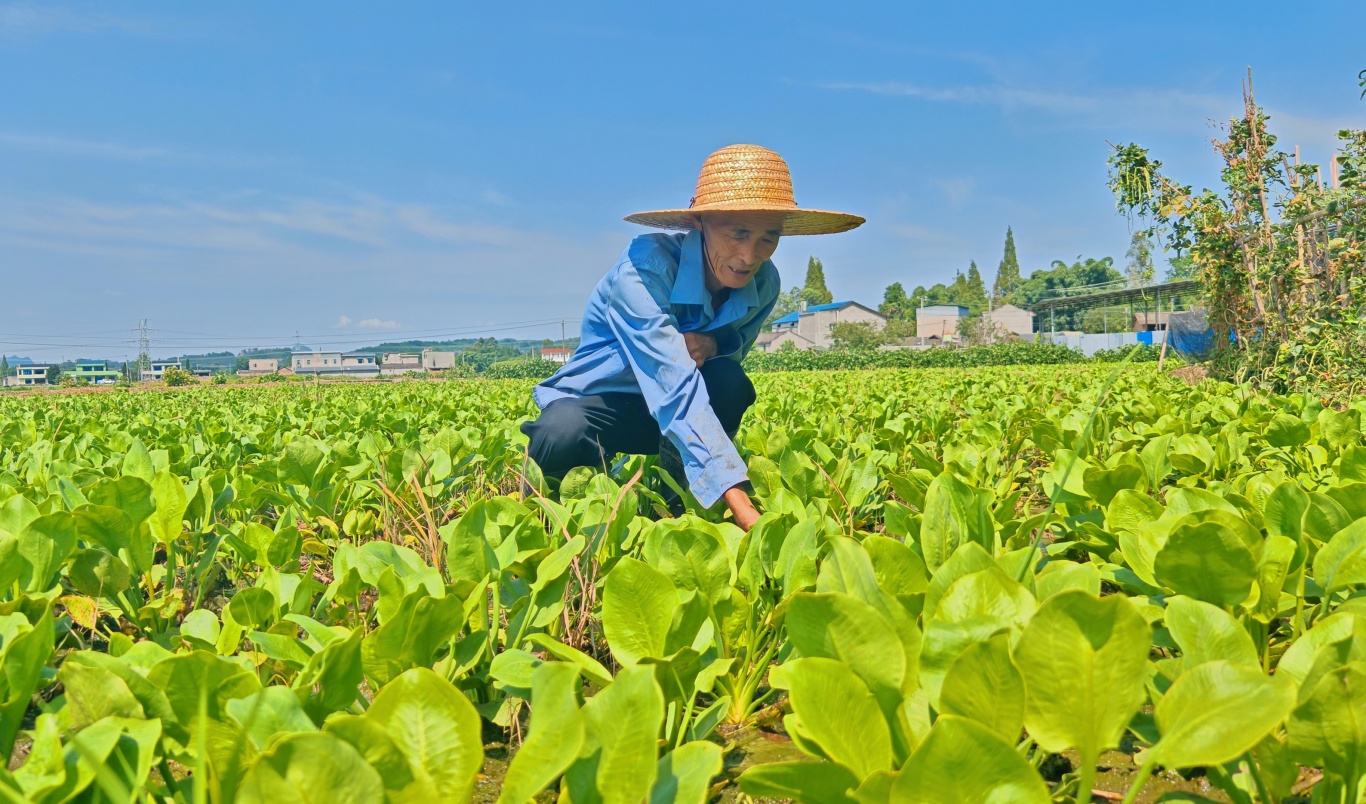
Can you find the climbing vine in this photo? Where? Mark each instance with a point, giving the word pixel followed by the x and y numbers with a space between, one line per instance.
pixel 1279 250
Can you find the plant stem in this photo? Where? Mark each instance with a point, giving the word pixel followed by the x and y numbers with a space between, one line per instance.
pixel 1142 778
pixel 1086 779
pixel 1256 774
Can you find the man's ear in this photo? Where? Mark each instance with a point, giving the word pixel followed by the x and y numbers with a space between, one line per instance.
pixel 696 221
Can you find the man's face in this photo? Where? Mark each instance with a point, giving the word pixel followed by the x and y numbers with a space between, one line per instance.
pixel 737 244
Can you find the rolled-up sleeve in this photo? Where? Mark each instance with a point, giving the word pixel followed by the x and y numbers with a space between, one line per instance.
pixel 638 314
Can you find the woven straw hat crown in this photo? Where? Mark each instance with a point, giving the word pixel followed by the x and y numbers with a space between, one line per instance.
pixel 748 178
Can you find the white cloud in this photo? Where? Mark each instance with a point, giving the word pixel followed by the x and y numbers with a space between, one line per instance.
pixel 958 190
pixel 344 321
pixel 33 19
pixel 375 323
pixel 63 146
pixel 1099 108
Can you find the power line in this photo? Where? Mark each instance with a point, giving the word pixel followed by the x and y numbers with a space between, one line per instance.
pixel 145 341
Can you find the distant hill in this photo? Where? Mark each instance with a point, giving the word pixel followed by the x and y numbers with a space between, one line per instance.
pixel 16 360
pixel 229 361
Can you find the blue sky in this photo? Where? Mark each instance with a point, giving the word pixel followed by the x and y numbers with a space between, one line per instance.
pixel 237 172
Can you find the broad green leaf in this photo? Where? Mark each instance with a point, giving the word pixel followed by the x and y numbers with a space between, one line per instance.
pixel 45 544
pixel 684 775
pixel 555 737
pixel 973 609
pixel 984 685
pixel 1103 484
pixel 1278 556
pixel 841 627
pixel 270 712
pixel 802 782
pixel 437 727
pixel 961 761
pixel 299 463
pixel 96 573
pixel 311 767
pixel 1338 428
pixel 411 636
pixel 1287 431
pixel 1128 509
pixel 1216 712
pixel 167 521
pixel 1342 561
pixel 1328 728
pixel 899 569
pixel 1208 562
pixel 591 669
pixel 1084 660
pixel 1298 659
pixel 93 693
pixel 697 559
pixel 1207 633
pixel 1284 510
pixel 954 516
pixel 618 761
pixel 1325 517
pixel 26 639
pixel 637 610
pixel 185 678
pixel 254 606
pixel 376 748
pixel 1156 456
pixel 1059 575
pixel 840 714
pixel 969 558
pixel 138 463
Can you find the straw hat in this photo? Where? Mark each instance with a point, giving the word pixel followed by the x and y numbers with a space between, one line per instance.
pixel 747 178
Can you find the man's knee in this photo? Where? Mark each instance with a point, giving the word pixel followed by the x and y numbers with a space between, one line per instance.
pixel 730 390
pixel 562 438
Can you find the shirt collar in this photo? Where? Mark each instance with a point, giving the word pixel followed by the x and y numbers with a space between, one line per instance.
pixel 690 286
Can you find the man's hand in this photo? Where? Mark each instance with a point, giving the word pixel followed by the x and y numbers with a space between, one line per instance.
pixel 701 347
pixel 741 507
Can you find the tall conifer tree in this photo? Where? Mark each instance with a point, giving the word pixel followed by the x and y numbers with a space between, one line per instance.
pixel 815 291
pixel 1007 273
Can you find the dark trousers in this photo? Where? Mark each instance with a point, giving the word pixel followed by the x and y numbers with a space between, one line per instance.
pixel 588 431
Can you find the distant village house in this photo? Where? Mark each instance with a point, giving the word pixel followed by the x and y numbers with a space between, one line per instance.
pixel 809 328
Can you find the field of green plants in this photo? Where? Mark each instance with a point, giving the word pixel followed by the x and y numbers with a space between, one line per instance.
pixel 994 584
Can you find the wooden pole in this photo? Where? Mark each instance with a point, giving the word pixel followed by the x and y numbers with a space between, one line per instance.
pixel 1166 336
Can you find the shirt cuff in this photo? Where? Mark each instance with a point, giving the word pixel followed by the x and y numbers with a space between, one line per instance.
pixel 728 342
pixel 710 481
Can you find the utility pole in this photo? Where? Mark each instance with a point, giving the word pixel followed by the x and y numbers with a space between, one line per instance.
pixel 562 341
pixel 144 347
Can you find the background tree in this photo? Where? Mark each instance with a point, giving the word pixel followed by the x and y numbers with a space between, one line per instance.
pixel 976 295
pixel 1140 254
pixel 896 304
pixel 789 301
pixel 1182 267
pixel 1007 282
pixel 4 367
pixel 54 374
pixel 1046 284
pixel 814 290
pixel 856 335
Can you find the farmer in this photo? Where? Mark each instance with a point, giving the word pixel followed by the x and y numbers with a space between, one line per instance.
pixel 658 368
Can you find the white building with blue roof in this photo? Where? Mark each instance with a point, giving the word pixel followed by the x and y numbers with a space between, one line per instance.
pixel 809 328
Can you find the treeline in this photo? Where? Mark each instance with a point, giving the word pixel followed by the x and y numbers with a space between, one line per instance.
pixel 970 290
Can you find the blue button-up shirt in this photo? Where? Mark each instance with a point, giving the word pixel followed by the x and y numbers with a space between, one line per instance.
pixel 632 341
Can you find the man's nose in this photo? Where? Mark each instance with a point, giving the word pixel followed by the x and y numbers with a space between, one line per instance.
pixel 747 253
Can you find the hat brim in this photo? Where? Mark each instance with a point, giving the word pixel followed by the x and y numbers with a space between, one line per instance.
pixel 795 221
